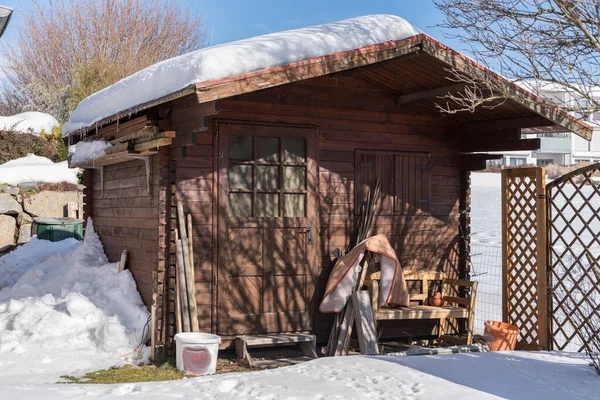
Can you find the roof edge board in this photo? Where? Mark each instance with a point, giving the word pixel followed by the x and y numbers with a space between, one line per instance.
pixel 516 94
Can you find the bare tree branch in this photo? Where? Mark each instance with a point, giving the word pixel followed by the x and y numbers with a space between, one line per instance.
pixel 543 42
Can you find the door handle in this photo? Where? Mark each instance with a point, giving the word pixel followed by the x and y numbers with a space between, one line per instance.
pixel 309 231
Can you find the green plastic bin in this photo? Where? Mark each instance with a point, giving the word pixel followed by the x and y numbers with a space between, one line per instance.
pixel 57 229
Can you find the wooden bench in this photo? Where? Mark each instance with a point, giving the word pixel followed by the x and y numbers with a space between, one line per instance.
pixel 455 307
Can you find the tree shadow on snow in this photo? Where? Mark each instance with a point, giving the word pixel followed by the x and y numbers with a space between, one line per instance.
pixel 512 375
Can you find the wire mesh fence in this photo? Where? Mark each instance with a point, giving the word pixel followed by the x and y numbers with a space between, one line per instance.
pixel 486 268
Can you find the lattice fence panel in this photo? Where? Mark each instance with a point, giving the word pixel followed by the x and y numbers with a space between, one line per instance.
pixel 524 255
pixel 573 254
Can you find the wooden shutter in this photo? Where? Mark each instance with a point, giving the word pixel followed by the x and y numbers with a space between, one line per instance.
pixel 405 180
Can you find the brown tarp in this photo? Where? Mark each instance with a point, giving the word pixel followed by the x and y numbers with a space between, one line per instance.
pixel 342 281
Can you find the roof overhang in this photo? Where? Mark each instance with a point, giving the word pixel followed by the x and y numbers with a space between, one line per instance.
pixel 367 57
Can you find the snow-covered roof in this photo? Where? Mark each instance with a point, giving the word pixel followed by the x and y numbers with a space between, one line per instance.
pixel 236 58
pixel 29 122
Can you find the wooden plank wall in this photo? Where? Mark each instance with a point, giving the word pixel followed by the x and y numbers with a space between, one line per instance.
pixel 337 107
pixel 125 218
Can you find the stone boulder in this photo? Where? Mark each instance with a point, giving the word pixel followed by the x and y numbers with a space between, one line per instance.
pixel 24 218
pixel 49 204
pixel 8 226
pixel 8 205
pixel 24 233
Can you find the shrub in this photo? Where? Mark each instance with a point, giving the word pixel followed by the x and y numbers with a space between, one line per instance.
pixel 15 145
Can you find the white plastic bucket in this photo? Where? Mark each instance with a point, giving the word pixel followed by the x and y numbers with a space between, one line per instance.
pixel 197 353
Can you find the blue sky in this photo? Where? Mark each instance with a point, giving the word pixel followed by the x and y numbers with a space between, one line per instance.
pixel 228 20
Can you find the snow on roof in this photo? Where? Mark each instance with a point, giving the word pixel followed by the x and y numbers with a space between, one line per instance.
pixel 32 168
pixel 29 122
pixel 236 58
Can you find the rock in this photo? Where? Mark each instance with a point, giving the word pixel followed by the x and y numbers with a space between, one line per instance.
pixel 8 226
pixel 24 233
pixel 50 204
pixel 8 205
pixel 13 190
pixel 24 219
pixel 29 186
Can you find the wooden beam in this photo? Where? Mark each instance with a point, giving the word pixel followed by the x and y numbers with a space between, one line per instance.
pixel 430 94
pixel 492 135
pixel 476 162
pixel 510 123
pixel 501 145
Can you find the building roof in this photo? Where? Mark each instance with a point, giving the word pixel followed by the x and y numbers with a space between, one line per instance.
pixel 385 50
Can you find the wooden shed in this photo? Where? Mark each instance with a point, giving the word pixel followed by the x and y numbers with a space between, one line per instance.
pixel 273 165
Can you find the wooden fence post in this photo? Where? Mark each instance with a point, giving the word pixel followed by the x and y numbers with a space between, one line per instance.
pixel 524 255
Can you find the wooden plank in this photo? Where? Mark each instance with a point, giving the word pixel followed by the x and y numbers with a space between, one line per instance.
pixel 123 261
pixel 502 145
pixel 149 130
pixel 505 197
pixel 275 339
pixel 345 331
pixel 457 300
pixel 421 312
pixel 365 323
pixel 190 291
pixel 153 319
pixel 541 247
pixel 153 144
pixel 185 308
pixel 436 93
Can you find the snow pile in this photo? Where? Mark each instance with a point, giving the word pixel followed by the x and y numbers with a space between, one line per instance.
pixel 64 308
pixel 29 122
pixel 32 168
pixel 235 58
pixel 85 151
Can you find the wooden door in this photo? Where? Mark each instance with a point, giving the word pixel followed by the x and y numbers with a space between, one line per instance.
pixel 267 228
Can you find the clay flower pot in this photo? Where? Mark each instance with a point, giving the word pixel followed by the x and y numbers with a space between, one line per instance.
pixel 436 300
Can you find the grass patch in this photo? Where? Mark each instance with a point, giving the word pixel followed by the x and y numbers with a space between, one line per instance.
pixel 165 371
pixel 155 372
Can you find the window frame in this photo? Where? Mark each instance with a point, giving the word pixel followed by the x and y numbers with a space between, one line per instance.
pixel 255 163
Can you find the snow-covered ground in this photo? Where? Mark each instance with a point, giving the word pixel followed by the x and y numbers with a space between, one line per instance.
pixel 509 375
pixel 64 310
pixel 32 168
pixel 29 122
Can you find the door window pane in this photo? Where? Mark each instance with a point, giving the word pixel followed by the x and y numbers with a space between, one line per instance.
pixel 294 205
pixel 241 148
pixel 240 204
pixel 268 149
pixel 267 177
pixel 240 176
pixel 294 150
pixel 267 205
pixel 294 178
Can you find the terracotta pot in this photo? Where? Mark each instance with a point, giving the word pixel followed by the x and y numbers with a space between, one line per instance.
pixel 436 300
pixel 500 336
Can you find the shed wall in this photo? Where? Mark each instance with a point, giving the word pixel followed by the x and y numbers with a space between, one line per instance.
pixel 346 113
pixel 126 218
